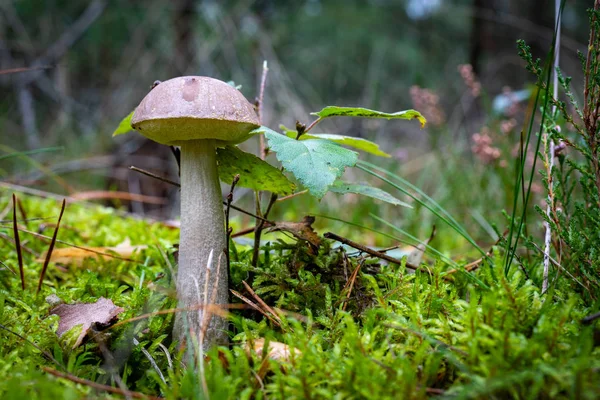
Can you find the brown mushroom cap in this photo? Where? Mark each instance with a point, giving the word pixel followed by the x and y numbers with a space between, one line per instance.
pixel 194 107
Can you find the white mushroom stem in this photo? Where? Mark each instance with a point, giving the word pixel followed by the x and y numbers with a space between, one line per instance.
pixel 202 230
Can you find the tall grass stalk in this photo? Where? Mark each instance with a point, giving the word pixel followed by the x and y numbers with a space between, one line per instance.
pixel 516 227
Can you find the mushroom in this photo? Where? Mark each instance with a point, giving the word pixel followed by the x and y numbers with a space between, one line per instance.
pixel 199 114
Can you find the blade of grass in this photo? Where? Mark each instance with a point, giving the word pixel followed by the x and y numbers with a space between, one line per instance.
pixel 39 166
pixel 31 152
pixel 547 74
pixel 51 247
pixel 387 235
pixel 432 249
pixel 428 203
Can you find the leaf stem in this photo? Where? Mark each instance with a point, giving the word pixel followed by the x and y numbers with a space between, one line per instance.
pixel 312 125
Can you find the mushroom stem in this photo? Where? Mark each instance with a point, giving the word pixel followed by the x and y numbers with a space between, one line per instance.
pixel 202 231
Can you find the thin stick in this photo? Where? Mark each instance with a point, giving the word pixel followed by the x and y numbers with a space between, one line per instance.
pixel 236 179
pixel 261 302
pixel 590 318
pixel 374 253
pixel 261 96
pixel 228 230
pixel 243 232
pixel 152 175
pixel 8 268
pixel 352 280
pixel 259 227
pixel 24 69
pixel 51 248
pixel 161 178
pixel 255 306
pixel 284 198
pixel 75 246
pixel 312 125
pixel 99 386
pixel 18 242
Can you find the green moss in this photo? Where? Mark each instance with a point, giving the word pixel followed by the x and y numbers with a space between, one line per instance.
pixel 395 335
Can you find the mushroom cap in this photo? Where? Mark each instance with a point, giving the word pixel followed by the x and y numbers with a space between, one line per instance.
pixel 195 107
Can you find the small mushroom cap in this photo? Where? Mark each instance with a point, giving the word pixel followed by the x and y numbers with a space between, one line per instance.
pixel 194 107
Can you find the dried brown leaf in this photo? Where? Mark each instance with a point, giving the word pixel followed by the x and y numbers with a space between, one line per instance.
pixel 416 256
pixel 301 230
pixel 277 351
pixel 75 255
pixel 103 312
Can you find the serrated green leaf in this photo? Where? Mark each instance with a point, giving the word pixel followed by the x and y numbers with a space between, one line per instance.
pixel 366 190
pixel 335 111
pixel 124 125
pixel 254 173
pixel 317 163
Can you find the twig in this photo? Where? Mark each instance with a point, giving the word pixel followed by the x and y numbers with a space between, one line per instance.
pixel 243 232
pixel 51 248
pixel 254 306
pixel 150 174
pixel 284 198
pixel 228 229
pixel 374 253
pixel 261 302
pixel 99 386
pixel 38 235
pixel 262 154
pixel 261 97
pixel 260 224
pixel 23 69
pixel 474 264
pixel 8 268
pixel 312 125
pixel 590 318
pixel 351 284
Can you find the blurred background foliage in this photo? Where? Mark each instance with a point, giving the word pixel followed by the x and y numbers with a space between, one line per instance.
pixel 455 61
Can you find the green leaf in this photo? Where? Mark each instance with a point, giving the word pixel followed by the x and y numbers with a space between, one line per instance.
pixel 334 111
pixel 124 125
pixel 350 141
pixel 317 163
pixel 254 173
pixel 366 190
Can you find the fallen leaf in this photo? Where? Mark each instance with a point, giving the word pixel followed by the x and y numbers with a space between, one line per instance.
pixel 75 255
pixel 301 230
pixel 277 351
pixel 102 312
pixel 416 256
